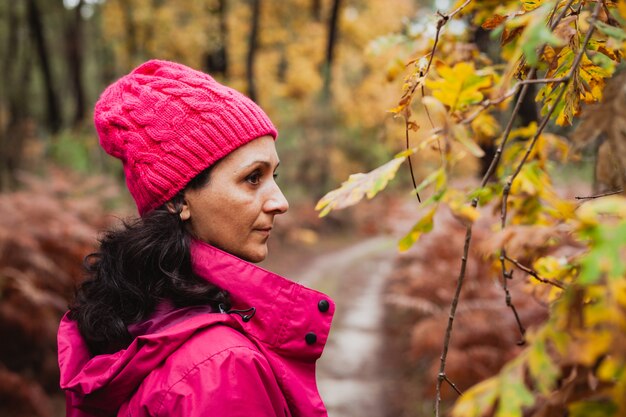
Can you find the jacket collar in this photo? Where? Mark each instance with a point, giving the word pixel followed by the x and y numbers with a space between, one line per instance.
pixel 285 311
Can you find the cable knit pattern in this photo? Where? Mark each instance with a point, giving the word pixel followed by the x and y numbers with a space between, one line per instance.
pixel 167 123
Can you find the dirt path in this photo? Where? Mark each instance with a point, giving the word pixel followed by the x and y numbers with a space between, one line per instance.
pixel 349 373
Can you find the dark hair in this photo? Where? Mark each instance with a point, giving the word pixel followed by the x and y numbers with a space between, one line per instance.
pixel 145 261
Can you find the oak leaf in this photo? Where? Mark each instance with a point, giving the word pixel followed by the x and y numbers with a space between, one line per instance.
pixel 459 86
pixel 358 186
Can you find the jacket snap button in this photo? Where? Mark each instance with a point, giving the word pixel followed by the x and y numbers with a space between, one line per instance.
pixel 323 306
pixel 310 338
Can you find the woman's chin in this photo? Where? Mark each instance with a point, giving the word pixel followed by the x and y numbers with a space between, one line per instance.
pixel 254 255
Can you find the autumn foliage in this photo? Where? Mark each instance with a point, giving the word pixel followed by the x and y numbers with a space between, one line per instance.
pixel 560 55
pixel 46 229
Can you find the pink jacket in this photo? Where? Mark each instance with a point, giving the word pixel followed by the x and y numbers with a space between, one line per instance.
pixel 191 362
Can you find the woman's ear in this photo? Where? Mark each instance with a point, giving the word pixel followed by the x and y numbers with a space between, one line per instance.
pixel 180 208
pixel 185 213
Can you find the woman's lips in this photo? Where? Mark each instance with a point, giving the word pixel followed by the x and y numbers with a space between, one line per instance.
pixel 263 230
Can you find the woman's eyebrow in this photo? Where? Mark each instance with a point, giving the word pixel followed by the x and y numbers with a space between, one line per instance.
pixel 259 162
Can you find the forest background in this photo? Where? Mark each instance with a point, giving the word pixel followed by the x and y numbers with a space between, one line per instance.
pixel 327 73
pixel 311 64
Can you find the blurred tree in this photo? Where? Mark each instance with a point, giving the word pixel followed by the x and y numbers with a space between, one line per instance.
pixel 74 38
pixel 333 34
pixel 16 60
pixel 37 31
pixel 216 61
pixel 252 47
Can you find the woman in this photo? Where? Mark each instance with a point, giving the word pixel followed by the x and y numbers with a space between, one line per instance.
pixel 173 319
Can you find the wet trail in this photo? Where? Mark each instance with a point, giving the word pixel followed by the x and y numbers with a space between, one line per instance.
pixel 349 373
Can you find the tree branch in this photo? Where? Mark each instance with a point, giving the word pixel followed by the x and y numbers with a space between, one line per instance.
pixel 455 301
pixel 408 158
pixel 534 273
pixel 600 195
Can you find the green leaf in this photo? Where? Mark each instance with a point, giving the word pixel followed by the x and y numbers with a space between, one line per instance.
pixel 542 368
pixel 424 225
pixel 611 31
pixel 605 255
pixel 460 134
pixel 534 37
pixel 477 400
pixel 514 395
pixel 438 177
pixel 617 16
pixel 593 409
pixel 358 186
pixel 486 194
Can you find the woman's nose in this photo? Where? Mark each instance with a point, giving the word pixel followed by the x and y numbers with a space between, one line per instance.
pixel 276 202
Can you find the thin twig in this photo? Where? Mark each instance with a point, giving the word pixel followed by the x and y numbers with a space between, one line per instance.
pixel 534 273
pixel 452 384
pixel 506 276
pixel 485 104
pixel 554 24
pixel 600 195
pixel 455 301
pixel 408 158
pixel 545 80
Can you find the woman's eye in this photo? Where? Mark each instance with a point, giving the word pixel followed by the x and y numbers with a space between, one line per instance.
pixel 254 178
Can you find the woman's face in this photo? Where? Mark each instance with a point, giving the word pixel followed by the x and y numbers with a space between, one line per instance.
pixel 235 210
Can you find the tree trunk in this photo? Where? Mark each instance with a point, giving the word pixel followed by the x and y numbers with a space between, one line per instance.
pixel 132 48
pixel 16 75
pixel 74 42
pixel 528 111
pixel 330 47
pixel 217 60
pixel 252 48
pixel 316 10
pixel 52 102
pixel 9 61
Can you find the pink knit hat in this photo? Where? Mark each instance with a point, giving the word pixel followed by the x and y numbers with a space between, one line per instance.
pixel 167 123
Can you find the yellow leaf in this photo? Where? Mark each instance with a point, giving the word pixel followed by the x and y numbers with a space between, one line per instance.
pixel 475 401
pixel 589 212
pixel 423 225
pixel 524 132
pixel 486 127
pixel 551 267
pixel 394 69
pixel 459 86
pixel 592 346
pixel 460 208
pixel 466 212
pixel 611 369
pixel 358 186
pixel 529 5
pixel 527 182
